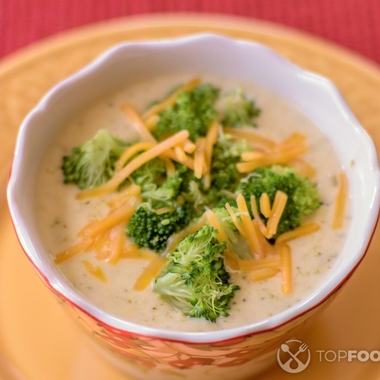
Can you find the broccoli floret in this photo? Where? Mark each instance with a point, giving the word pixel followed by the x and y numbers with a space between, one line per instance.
pixel 226 154
pixel 303 197
pixel 238 110
pixel 193 111
pixel 92 163
pixel 194 280
pixel 237 242
pixel 151 230
pixel 194 194
pixel 149 173
pixel 164 194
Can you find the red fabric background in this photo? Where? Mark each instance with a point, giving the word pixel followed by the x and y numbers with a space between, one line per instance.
pixel 352 23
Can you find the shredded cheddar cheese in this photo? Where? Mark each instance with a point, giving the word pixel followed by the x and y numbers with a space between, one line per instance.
pixel 157 108
pixel 121 214
pixel 122 197
pixel 117 243
pixel 304 168
pixel 265 207
pixel 199 157
pixel 132 251
pixel 169 166
pixel 270 229
pixel 211 137
pixel 286 267
pixel 250 233
pixel 188 146
pixel 262 274
pixel 340 201
pixel 256 140
pixel 214 222
pixel 137 123
pixel 184 160
pixel 153 269
pixel 282 153
pixel 72 251
pixel 95 270
pixel 231 260
pixel 180 153
pixel 278 208
pixel 130 152
pixel 151 122
pixel 298 232
pixel 235 219
pixel 290 142
pixel 250 265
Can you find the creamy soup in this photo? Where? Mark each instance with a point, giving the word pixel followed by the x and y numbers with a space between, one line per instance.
pixel 61 215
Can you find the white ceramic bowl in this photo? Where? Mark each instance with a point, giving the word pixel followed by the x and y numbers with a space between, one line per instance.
pixel 236 352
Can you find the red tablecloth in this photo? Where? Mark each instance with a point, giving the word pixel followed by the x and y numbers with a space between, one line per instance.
pixel 351 23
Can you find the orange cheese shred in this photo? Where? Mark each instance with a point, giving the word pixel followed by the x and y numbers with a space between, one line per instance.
pixel 251 234
pixel 184 159
pixel 230 257
pixel 290 142
pixel 265 207
pixel 102 245
pixel 340 201
pixel 251 137
pixel 252 155
pixel 304 168
pixel 275 215
pixel 95 270
pixel 180 153
pixel 157 108
pixel 72 251
pixel 231 260
pixel 130 152
pixel 298 232
pixel 169 166
pixel 188 146
pixel 262 274
pixel 199 157
pixel 214 222
pixel 250 265
pixel 278 208
pixel 117 236
pixel 121 214
pixel 235 219
pixel 137 122
pixel 211 137
pixel 153 269
pixel 268 248
pixel 273 157
pixel 121 197
pixel 151 122
pixel 256 216
pixel 286 267
pixel 132 251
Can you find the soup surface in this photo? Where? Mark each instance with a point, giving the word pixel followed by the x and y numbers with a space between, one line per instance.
pixel 61 215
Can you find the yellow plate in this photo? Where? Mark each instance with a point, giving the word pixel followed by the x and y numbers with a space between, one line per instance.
pixel 37 339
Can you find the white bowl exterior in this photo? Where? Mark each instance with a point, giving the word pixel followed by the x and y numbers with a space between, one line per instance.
pixel 313 95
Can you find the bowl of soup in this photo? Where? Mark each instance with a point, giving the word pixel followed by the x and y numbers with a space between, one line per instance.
pixel 192 202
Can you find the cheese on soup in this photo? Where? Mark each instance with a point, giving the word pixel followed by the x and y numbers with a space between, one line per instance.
pixel 61 215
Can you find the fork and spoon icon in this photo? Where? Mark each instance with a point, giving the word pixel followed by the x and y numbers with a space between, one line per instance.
pixel 294 357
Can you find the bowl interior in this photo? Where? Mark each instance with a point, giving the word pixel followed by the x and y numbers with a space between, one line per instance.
pixel 313 95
